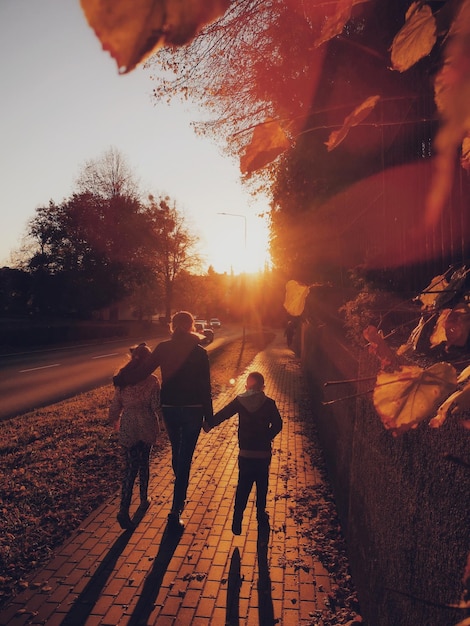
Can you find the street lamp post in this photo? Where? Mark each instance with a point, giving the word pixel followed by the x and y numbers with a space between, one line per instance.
pixel 244 276
pixel 238 215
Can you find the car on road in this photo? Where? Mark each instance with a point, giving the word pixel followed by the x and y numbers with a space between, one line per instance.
pixel 215 322
pixel 203 328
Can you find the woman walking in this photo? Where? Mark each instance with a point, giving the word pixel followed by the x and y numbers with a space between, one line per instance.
pixel 185 395
pixel 135 412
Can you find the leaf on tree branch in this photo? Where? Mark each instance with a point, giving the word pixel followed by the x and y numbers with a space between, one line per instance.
pixel 353 119
pixel 131 31
pixel 411 394
pixel 452 96
pixel 268 142
pixel 296 294
pixel 415 39
pixel 459 401
pixel 334 24
pixel 379 347
pixel 430 296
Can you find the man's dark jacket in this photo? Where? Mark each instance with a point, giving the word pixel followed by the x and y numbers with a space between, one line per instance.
pixel 184 366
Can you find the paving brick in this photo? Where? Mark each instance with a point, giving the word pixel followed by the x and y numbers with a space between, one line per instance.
pixel 172 605
pixel 205 607
pixel 59 593
pixel 191 598
pixel 55 619
pixel 186 616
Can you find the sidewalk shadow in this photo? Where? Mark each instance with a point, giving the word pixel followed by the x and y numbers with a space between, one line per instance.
pixel 84 603
pixel 265 600
pixel 232 616
pixel 153 581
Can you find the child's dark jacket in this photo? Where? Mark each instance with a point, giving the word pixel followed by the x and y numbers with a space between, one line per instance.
pixel 259 422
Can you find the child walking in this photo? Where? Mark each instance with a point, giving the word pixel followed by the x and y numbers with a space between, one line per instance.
pixel 135 413
pixel 259 421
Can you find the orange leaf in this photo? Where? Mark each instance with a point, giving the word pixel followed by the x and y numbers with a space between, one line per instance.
pixel 296 294
pixel 459 401
pixel 268 142
pixel 131 31
pixel 465 156
pixel 379 347
pixel 457 326
pixel 334 24
pixel 409 395
pixel 452 95
pixel 436 287
pixel 413 339
pixel 415 39
pixel 439 335
pixel 353 119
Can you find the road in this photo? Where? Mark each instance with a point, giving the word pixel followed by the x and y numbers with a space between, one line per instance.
pixel 30 380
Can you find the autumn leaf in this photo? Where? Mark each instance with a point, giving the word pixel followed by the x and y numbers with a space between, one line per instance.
pixel 268 142
pixel 131 31
pixel 430 295
pixel 465 156
pixel 334 24
pixel 452 96
pixel 464 374
pixel 415 39
pixel 459 401
pixel 452 327
pixel 414 337
pixel 411 394
pixel 296 294
pixel 379 347
pixel 353 119
pixel 438 334
pixel 457 326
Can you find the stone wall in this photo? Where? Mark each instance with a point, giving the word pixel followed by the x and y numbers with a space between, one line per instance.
pixel 403 501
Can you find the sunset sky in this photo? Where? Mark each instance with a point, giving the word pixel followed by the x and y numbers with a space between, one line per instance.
pixel 64 103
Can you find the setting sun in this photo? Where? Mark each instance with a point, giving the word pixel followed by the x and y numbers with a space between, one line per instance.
pixel 237 242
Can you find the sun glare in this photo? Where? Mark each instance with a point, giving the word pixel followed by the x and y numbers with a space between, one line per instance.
pixel 238 246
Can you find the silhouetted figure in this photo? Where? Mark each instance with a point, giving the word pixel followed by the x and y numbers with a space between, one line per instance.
pixel 186 398
pixel 259 421
pixel 290 332
pixel 135 412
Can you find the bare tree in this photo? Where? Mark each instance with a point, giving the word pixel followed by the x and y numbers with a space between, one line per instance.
pixel 108 176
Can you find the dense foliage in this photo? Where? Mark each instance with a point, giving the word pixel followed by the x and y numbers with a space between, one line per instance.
pixel 102 245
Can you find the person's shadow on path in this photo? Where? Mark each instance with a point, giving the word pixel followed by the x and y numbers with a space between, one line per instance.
pixel 84 603
pixel 232 614
pixel 153 581
pixel 265 601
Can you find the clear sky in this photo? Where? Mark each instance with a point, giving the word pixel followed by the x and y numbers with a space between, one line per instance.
pixel 64 103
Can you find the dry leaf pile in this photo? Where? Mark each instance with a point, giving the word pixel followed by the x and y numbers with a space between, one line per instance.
pixel 48 458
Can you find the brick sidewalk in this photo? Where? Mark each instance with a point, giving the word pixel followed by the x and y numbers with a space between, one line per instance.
pixel 206 576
